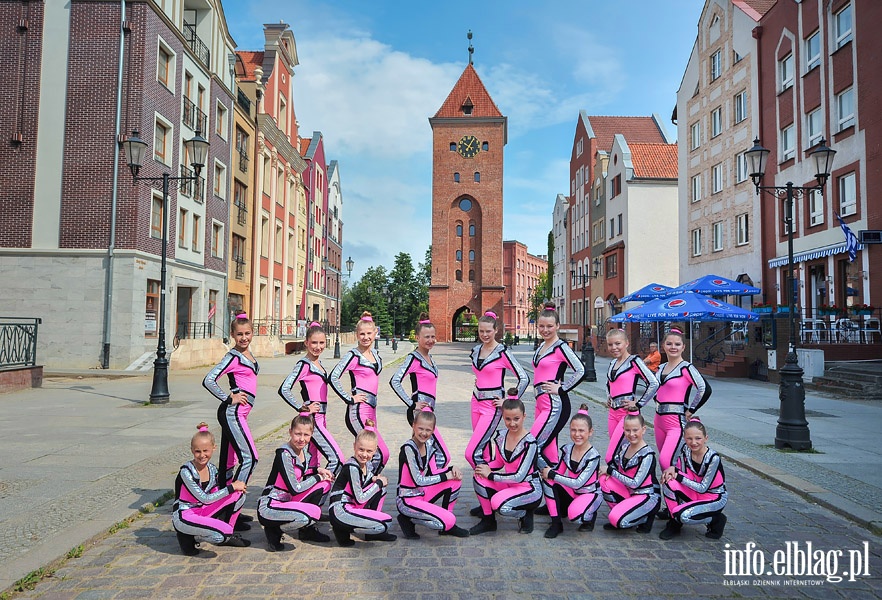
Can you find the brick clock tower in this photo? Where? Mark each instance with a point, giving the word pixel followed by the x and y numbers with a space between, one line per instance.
pixel 469 134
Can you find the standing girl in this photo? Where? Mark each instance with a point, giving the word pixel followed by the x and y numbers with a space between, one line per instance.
pixel 294 490
pixel 681 392
pixel 573 481
pixel 509 484
pixel 364 366
pixel 625 372
pixel 356 501
pixel 240 367
pixel 490 360
pixel 550 362
pixel 629 485
pixel 313 397
pixel 427 492
pixel 202 507
pixel 423 373
pixel 694 487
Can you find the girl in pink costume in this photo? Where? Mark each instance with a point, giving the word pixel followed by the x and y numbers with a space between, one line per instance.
pixel 427 493
pixel 680 393
pixel 356 501
pixel 203 508
pixel 294 490
pixel 423 374
pixel 694 487
pixel 313 397
pixel 629 485
pixel 573 481
pixel 490 361
pixel 550 362
pixel 625 372
pixel 364 367
pixel 509 484
pixel 240 367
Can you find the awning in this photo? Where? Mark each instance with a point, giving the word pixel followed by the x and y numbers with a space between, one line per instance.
pixel 811 254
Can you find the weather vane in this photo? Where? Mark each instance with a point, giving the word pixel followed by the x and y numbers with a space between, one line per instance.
pixel 471 48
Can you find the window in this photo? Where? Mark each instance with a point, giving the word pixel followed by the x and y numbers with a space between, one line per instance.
pixel 718 236
pixel 612 228
pixel 459 230
pixel 695 135
pixel 465 205
pixel 277 246
pixel 696 188
pixel 217 239
pixel 736 58
pixel 162 142
pixel 619 219
pixel 696 242
pixel 815 127
pixel 459 274
pixel 283 114
pixel 816 208
pixel 165 65
pixel 453 146
pixel 717 121
pixel 472 229
pixel 740 106
pixel 612 266
pixel 845 109
pixel 220 127
pixel 182 228
pixel 788 148
pixel 156 217
pixel 842 26
pixel 579 148
pixel 471 256
pixel 785 72
pixel 477 177
pixel 742 166
pixel 812 51
pixel 847 195
pixel 615 186
pixel 471 274
pixel 743 230
pixel 220 180
pixel 264 236
pixel 194 240
pixel 292 246
pixel 459 256
pixel 456 178
pixel 715 65
pixel 717 178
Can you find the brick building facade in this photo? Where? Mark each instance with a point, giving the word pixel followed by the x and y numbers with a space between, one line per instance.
pixel 521 271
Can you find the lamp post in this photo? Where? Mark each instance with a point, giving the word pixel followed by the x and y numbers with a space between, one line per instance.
pixel 388 299
pixel 587 346
pixel 349 265
pixel 792 428
pixel 326 263
pixel 135 148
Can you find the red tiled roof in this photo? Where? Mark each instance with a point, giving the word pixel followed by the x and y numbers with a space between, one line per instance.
pixel 755 9
pixel 638 129
pixel 469 87
pixel 250 60
pixel 654 161
pixel 304 145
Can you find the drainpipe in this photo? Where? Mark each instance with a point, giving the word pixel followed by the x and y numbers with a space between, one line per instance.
pixel 108 277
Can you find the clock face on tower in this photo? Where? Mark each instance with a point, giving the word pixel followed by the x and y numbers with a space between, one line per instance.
pixel 468 146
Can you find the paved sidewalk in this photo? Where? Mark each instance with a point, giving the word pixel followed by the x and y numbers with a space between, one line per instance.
pixel 108 446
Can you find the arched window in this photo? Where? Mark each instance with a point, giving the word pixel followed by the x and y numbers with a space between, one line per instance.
pixel 472 229
pixel 458 275
pixel 477 177
pixel 456 177
pixel 458 230
pixel 471 274
pixel 485 146
pixel 459 255
pixel 453 146
pixel 471 256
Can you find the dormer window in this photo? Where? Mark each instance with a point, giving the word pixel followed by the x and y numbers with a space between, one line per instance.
pixel 467 107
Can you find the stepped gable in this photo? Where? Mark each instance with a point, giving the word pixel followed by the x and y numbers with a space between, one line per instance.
pixel 633 129
pixel 654 161
pixel 471 88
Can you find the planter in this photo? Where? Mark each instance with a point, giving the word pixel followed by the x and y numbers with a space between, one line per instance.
pixel 828 312
pixel 762 309
pixel 783 309
pixel 862 313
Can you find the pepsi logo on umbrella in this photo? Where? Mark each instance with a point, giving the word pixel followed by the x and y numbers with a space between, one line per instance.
pixel 675 303
pixel 715 304
pixel 720 282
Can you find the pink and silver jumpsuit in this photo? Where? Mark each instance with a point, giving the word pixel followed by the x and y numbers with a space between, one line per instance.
pixel 680 390
pixel 237 443
pixel 364 378
pixel 553 410
pixel 203 509
pixel 699 491
pixel 574 488
pixel 356 503
pixel 313 388
pixel 294 491
pixel 621 387
pixel 423 376
pixel 631 490
pixel 514 488
pixel 425 492
pixel 489 385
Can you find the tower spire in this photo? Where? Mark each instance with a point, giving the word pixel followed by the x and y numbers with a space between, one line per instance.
pixel 471 48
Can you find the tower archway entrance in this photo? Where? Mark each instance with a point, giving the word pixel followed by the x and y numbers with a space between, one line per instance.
pixel 465 325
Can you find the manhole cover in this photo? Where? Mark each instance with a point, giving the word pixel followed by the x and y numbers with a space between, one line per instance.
pixel 808 413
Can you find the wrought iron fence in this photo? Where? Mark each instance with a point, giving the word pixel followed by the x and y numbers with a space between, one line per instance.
pixel 18 341
pixel 188 187
pixel 196 44
pixel 194 118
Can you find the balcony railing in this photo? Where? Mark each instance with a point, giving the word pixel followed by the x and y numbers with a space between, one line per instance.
pixel 193 189
pixel 18 342
pixel 194 118
pixel 196 44
pixel 240 267
pixel 243 160
pixel 241 212
pixel 244 102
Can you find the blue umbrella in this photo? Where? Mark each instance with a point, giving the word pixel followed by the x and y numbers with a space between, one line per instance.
pixel 687 306
pixel 648 292
pixel 714 285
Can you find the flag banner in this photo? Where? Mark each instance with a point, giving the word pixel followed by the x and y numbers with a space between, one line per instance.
pixel 851 242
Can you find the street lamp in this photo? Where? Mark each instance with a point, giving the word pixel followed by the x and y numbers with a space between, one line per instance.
pixel 135 148
pixel 587 346
pixel 349 265
pixel 792 428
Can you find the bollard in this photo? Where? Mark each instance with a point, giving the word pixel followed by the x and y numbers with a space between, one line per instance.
pixel 588 361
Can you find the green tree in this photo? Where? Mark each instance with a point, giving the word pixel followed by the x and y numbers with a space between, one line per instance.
pixel 405 293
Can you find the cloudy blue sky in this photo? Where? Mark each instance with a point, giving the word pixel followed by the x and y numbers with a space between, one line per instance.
pixel 372 72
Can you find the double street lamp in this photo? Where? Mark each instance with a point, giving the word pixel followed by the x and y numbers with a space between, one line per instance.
pixel 792 428
pixel 587 347
pixel 197 150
